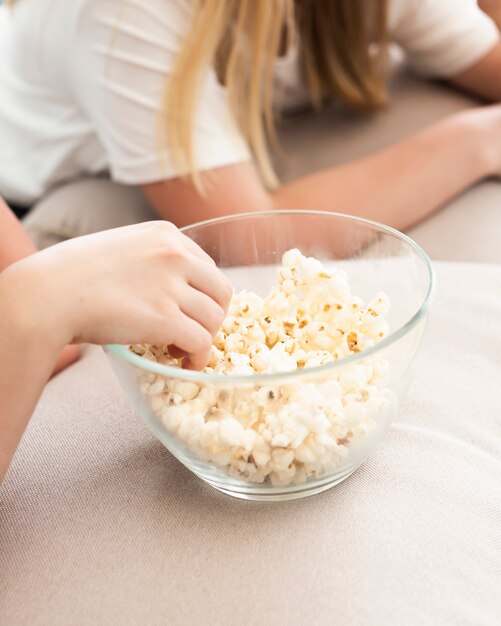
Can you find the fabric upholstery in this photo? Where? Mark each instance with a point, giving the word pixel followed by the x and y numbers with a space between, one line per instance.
pixel 99 524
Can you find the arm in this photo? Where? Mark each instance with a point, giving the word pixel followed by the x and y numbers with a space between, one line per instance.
pixel 453 40
pixel 484 77
pixel 15 245
pixel 30 349
pixel 76 291
pixel 398 186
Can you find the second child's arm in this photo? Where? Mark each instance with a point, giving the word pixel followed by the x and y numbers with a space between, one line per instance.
pixel 484 77
pixel 399 186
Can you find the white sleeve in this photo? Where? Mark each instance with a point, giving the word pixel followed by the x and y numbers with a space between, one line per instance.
pixel 123 55
pixel 441 37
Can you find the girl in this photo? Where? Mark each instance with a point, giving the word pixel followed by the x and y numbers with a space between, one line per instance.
pixel 176 97
pixel 75 292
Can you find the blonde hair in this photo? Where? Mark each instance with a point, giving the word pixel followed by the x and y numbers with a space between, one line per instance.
pixel 241 39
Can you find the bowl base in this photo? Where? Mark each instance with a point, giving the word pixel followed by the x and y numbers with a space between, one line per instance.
pixel 275 495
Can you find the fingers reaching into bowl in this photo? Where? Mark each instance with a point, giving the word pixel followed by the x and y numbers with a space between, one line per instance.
pixel 141 283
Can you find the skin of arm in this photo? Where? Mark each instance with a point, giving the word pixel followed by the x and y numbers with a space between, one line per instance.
pixel 15 245
pixel 484 77
pixel 75 292
pixel 398 186
pixel 28 352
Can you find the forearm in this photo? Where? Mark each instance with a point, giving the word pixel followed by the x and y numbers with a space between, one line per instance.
pixel 27 354
pixel 484 77
pixel 401 184
pixel 14 245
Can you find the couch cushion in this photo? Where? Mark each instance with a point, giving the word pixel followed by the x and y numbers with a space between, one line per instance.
pixel 99 524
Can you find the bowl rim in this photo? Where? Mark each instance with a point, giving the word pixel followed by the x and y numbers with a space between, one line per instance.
pixel 124 353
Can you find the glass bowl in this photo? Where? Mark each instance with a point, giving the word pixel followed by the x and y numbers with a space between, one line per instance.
pixel 345 405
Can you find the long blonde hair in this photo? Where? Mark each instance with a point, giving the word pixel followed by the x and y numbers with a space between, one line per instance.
pixel 340 41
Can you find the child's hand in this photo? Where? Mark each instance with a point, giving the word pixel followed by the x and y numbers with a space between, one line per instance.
pixel 142 283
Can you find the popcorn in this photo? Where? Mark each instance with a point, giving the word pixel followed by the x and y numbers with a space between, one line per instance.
pixel 281 459
pixel 186 389
pixel 234 343
pixel 288 287
pixel 208 395
pixel 261 458
pixel 237 359
pixel 292 258
pixel 157 403
pixel 279 360
pixel 260 357
pixel 190 428
pixel 284 433
pixel 282 440
pixel 304 454
pixel 231 432
pixel 173 416
pixel 312 269
pixel 243 370
pixel 379 305
pixel 246 304
pixel 157 387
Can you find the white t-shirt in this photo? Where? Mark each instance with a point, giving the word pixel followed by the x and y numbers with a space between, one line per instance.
pixel 81 82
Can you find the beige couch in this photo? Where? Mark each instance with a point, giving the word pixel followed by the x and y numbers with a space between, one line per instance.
pixel 100 525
